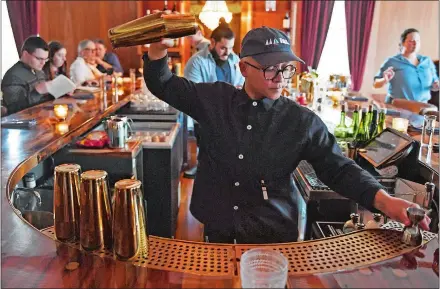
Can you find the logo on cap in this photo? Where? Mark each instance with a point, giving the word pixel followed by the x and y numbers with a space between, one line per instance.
pixel 276 42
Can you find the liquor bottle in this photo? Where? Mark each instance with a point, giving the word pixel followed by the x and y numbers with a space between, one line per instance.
pixel 362 133
pixel 352 129
pixel 174 7
pixel 380 124
pixel 165 5
pixel 341 128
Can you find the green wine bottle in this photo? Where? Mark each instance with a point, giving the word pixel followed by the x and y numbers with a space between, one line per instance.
pixel 380 124
pixel 341 128
pixel 362 134
pixel 352 129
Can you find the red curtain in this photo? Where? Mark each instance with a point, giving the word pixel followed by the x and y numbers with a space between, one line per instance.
pixel 24 16
pixel 316 17
pixel 359 17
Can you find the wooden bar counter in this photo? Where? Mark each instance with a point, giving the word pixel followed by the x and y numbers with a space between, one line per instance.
pixel 33 259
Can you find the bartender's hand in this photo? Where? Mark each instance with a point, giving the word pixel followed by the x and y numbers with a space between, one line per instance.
pixel 395 209
pixel 158 50
pixel 435 86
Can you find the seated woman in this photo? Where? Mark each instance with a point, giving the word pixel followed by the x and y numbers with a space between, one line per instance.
pixel 57 61
pixel 410 75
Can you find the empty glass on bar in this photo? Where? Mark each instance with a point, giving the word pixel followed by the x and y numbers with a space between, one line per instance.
pixel 263 268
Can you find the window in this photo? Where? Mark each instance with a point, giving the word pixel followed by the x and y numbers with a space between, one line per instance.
pixel 334 57
pixel 9 50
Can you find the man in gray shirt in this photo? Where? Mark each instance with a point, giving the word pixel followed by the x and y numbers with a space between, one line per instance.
pixel 24 84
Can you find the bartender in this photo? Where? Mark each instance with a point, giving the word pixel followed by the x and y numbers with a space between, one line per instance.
pixel 254 139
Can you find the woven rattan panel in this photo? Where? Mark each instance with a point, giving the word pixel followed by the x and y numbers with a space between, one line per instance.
pixel 343 252
pixel 178 255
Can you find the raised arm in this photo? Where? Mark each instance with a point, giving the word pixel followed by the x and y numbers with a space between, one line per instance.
pixel 184 95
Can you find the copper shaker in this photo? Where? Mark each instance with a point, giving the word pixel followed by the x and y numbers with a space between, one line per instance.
pixel 152 28
pixel 66 205
pixel 95 211
pixel 129 221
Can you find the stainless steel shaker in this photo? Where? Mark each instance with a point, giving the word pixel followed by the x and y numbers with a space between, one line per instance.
pixel 116 131
pixel 66 206
pixel 129 221
pixel 95 211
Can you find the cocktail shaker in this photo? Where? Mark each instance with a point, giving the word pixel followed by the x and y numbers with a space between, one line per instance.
pixel 95 211
pixel 66 206
pixel 152 28
pixel 129 221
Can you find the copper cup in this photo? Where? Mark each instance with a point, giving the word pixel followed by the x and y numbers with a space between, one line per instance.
pixel 129 221
pixel 152 28
pixel 95 211
pixel 66 206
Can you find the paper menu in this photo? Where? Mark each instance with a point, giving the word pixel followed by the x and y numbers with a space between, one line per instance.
pixel 60 85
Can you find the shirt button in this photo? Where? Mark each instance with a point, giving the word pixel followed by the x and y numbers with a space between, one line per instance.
pixel 236 184
pixel 236 208
pixel 240 156
pixel 249 127
pixel 254 103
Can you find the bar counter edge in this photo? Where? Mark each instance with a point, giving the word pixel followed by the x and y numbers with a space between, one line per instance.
pixel 32 260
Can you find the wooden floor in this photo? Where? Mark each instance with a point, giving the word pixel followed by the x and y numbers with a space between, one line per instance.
pixel 188 228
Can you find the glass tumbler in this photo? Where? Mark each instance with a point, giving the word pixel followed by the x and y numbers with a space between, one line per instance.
pixel 263 268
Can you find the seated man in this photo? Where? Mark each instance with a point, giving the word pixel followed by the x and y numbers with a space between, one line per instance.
pixel 83 70
pixel 105 59
pixel 24 84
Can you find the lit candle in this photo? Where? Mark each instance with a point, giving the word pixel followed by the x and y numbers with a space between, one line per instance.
pixel 62 128
pixel 400 124
pixel 61 111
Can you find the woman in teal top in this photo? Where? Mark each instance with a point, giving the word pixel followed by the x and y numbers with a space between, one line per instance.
pixel 410 75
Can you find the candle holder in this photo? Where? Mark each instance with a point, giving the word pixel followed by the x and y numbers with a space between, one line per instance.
pixel 400 124
pixel 61 111
pixel 62 128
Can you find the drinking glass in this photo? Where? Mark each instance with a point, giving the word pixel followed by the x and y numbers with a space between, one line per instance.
pixel 263 268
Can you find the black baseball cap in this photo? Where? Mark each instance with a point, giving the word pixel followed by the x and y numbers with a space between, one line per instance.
pixel 268 46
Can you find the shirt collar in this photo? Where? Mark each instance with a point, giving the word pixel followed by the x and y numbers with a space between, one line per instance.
pixel 244 98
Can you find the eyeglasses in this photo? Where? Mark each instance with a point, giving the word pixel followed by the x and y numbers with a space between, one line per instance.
pixel 91 49
pixel 271 72
pixel 40 58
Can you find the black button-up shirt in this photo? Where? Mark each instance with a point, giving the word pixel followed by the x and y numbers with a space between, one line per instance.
pixel 249 150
